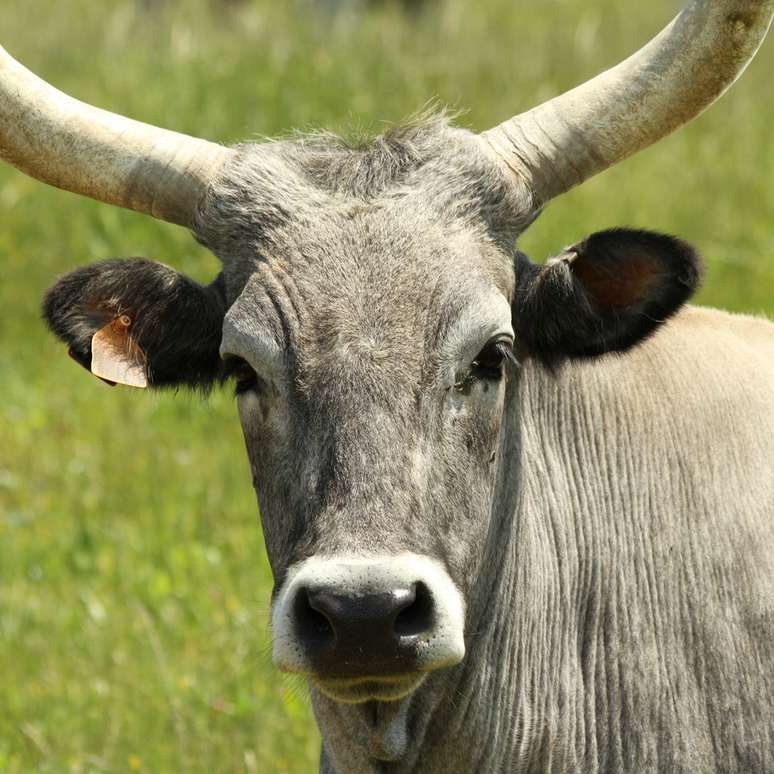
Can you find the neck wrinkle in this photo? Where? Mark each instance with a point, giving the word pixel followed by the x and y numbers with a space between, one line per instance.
pixel 533 652
pixel 521 643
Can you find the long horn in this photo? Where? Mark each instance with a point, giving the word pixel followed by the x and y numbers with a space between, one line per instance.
pixel 74 146
pixel 682 71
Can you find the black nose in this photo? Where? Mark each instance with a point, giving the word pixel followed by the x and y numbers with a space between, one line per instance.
pixel 375 633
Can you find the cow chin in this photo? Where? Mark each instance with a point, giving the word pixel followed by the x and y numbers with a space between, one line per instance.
pixel 382 689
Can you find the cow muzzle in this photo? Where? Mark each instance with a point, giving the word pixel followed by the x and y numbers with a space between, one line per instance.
pixel 369 628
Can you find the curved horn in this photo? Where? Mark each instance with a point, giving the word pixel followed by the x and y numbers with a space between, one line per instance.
pixel 682 71
pixel 71 145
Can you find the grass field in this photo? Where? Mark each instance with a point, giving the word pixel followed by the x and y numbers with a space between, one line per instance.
pixel 133 584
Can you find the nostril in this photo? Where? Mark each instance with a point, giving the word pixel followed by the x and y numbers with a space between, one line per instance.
pixel 312 625
pixel 417 617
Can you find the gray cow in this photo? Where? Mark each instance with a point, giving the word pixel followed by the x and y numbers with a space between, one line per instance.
pixel 498 546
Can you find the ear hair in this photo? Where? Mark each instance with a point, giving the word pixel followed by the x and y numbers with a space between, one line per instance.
pixel 175 322
pixel 604 294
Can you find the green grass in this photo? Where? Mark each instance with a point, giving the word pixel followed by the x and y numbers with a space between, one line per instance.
pixel 134 589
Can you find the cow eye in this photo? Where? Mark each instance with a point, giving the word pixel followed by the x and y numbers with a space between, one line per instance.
pixel 488 364
pixel 238 369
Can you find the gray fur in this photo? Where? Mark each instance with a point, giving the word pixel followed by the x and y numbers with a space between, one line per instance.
pixel 609 524
pixel 616 556
pixel 628 627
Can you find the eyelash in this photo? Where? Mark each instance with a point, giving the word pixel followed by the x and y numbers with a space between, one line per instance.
pixel 492 370
pixel 245 378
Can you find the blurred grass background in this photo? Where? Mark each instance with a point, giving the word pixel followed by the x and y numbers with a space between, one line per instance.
pixel 134 591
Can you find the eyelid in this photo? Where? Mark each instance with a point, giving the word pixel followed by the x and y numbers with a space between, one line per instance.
pixel 253 343
pixel 267 362
pixel 505 335
pixel 503 346
pixel 232 364
pixel 502 338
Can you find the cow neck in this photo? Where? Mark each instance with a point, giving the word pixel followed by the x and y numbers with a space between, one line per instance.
pixel 515 695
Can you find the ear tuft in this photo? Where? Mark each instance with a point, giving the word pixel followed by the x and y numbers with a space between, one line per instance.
pixel 604 294
pixel 135 321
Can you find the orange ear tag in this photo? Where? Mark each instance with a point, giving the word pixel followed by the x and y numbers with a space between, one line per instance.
pixel 115 357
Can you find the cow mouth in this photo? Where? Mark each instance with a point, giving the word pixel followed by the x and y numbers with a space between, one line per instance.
pixel 369 689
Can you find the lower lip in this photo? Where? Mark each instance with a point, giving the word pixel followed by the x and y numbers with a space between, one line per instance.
pixel 369 689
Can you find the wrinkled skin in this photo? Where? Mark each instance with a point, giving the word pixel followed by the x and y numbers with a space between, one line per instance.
pixel 357 432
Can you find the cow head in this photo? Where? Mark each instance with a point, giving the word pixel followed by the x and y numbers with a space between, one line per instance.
pixel 373 313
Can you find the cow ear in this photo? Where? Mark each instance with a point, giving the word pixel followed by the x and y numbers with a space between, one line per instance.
pixel 604 294
pixel 138 322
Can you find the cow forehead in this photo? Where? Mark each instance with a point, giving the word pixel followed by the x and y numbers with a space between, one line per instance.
pixel 359 258
pixel 369 291
pixel 425 198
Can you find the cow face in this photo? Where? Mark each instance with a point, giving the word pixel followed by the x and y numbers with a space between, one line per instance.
pixel 372 313
pixel 371 398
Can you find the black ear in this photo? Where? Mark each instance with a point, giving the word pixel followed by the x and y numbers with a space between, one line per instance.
pixel 167 325
pixel 604 294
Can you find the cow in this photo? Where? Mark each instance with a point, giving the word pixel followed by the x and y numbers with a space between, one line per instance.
pixel 520 517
